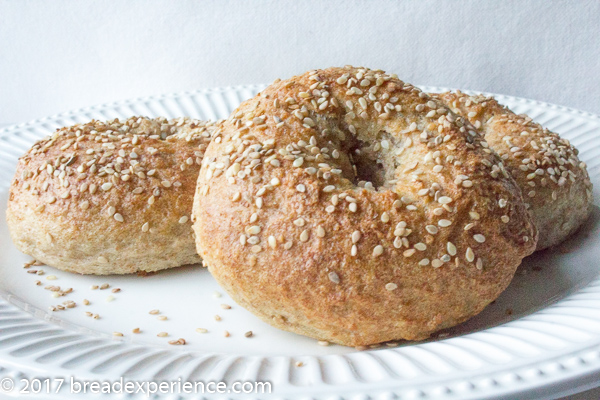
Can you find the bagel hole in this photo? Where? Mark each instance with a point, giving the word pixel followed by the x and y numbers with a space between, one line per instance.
pixel 372 165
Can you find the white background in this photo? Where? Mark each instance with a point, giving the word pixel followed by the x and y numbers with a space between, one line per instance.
pixel 60 55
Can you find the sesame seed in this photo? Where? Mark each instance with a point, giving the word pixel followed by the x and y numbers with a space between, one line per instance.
pixel 444 223
pixel 136 330
pixel 505 219
pixel 162 334
pixel 323 343
pixel 51 277
pixel 320 231
pixel 225 306
pixel 301 188
pixel 479 238
pixel 226 334
pixel 444 200
pixel 86 302
pixel 479 264
pixel 436 263
pixel 420 246
pixel 385 217
pixel 154 312
pixel 470 256
pixel 409 252
pixel 304 236
pixel 118 217
pixel 106 186
pixel 117 334
pixel 272 242
pixel 354 250
pixel 356 235
pixel 431 229
pixel 333 277
pixel 145 227
pixel 391 286
pixel 299 222
pixel 253 230
pixel 378 250
pixel 451 248
pixel 248 334
pixel 352 207
pixel 275 182
pixel 424 262
pixel 183 219
pixel 201 330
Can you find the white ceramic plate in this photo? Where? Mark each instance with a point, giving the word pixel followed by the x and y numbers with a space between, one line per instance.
pixel 541 338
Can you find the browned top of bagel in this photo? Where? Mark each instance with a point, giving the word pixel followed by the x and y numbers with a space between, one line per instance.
pixel 110 197
pixel 555 183
pixel 347 205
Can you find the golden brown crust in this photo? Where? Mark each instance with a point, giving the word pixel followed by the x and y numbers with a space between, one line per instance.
pixel 555 183
pixel 110 197
pixel 347 205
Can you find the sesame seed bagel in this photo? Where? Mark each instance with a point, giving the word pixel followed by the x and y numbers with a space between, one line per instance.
pixel 555 183
pixel 336 205
pixel 110 197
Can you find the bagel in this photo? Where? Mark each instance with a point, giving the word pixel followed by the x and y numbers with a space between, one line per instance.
pixel 555 183
pixel 110 197
pixel 349 206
